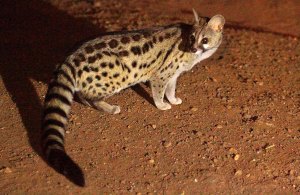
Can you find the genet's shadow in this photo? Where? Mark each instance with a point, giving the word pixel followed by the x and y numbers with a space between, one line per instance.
pixel 34 37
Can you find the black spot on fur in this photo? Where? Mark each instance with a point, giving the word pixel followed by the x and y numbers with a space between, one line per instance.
pixel 136 50
pixel 94 69
pixel 116 75
pixel 98 56
pixel 111 65
pixel 91 59
pixel 79 73
pixel 160 38
pixel 113 43
pixel 103 65
pixel 100 45
pixel 89 49
pixel 104 74
pixel 136 37
pixel 89 79
pixel 125 40
pixel 76 62
pixel 83 84
pixel 98 85
pixel 98 77
pixel 81 57
pixel 117 63
pixel 154 39
pixel 134 64
pixel 145 47
pixel 135 75
pixel 86 69
pixel 150 44
pixel 123 53
pixel 106 84
pixel 167 35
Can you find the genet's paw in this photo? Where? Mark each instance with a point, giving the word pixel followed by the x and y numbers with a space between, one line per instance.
pixel 115 110
pixel 176 101
pixel 164 106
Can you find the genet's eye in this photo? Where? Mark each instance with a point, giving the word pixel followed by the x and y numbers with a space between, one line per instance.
pixel 204 40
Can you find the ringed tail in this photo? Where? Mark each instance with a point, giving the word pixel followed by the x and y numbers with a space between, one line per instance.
pixel 57 106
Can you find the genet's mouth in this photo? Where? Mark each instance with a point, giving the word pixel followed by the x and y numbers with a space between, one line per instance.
pixel 203 49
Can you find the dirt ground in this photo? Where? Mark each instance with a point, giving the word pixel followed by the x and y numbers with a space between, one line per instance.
pixel 237 131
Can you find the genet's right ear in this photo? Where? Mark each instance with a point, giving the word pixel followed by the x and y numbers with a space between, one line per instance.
pixel 217 23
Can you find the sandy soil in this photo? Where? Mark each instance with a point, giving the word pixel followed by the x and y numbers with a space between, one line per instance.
pixel 238 130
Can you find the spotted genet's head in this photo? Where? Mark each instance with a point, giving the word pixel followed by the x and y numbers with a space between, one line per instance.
pixel 207 33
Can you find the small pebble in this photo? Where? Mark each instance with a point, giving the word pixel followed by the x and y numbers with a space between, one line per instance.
pixel 260 83
pixel 238 173
pixel 214 80
pixel 154 126
pixel 68 132
pixel 219 126
pixel 228 107
pixel 232 151
pixel 237 157
pixel 194 109
pixel 167 144
pixel 151 161
pixel 6 170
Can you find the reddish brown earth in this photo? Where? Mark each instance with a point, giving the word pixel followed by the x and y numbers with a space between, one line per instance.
pixel 237 131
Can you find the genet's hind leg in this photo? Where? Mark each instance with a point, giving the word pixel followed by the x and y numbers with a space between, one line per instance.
pixel 99 105
pixel 83 100
pixel 112 109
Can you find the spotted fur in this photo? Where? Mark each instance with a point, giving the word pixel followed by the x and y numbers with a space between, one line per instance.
pixel 114 61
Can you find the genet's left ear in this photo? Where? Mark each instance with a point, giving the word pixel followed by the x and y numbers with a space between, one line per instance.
pixel 196 17
pixel 217 23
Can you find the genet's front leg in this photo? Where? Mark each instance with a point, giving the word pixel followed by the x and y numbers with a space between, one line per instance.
pixel 170 91
pixel 158 91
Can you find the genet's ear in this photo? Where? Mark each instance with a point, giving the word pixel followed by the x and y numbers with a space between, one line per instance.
pixel 217 23
pixel 196 17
